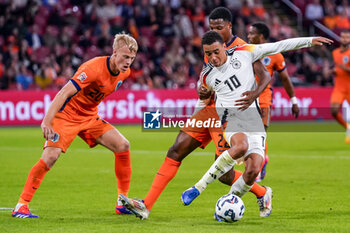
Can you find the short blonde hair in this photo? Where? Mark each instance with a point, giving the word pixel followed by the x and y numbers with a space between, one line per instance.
pixel 122 39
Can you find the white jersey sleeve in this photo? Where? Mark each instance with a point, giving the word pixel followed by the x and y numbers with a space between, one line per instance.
pixel 262 50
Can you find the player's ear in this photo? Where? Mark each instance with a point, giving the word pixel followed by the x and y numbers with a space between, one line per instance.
pixel 261 37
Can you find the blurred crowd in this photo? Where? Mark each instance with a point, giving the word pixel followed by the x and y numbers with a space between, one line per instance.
pixel 42 43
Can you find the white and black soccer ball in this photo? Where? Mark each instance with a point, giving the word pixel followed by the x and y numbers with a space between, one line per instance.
pixel 229 208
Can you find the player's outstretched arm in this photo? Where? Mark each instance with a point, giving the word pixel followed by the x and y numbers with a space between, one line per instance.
pixel 46 125
pixel 262 50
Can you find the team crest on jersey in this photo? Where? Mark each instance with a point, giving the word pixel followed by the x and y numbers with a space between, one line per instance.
pixel 266 61
pixel 236 64
pixel 345 59
pixel 82 77
pixel 118 85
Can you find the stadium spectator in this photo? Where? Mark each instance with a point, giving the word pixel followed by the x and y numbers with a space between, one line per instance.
pixel 47 74
pixel 23 78
pixel 328 6
pixel 314 10
pixel 344 7
pixel 84 29
pixel 342 21
pixel 34 38
pixel 330 20
pixel 259 10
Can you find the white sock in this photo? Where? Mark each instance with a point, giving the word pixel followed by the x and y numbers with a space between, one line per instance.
pixel 221 165
pixel 19 205
pixel 239 187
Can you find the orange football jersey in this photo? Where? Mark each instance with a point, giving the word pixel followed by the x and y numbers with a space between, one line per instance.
pixel 94 81
pixel 340 58
pixel 274 63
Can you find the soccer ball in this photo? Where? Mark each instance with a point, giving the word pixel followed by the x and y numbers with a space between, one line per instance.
pixel 229 208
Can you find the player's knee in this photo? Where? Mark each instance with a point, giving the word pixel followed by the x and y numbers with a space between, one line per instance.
pixel 242 148
pixel 334 112
pixel 174 153
pixel 50 156
pixel 122 146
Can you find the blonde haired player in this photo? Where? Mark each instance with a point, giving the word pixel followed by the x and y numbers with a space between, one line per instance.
pixel 74 112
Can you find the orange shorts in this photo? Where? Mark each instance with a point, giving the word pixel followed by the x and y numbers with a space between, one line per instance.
pixel 266 115
pixel 219 141
pixel 340 93
pixel 205 135
pixel 88 128
pixel 265 103
pixel 201 134
pixel 265 98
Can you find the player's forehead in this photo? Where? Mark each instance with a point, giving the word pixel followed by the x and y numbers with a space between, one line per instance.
pixel 212 47
pixel 124 50
pixel 253 29
pixel 214 23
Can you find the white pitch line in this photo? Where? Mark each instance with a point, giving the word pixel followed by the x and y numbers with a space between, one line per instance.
pixel 342 154
pixel 6 209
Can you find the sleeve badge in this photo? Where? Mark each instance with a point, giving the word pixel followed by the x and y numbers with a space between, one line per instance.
pixel 82 77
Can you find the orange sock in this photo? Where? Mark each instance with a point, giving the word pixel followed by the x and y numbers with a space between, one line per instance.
pixel 122 170
pixel 36 175
pixel 257 189
pixel 340 119
pixel 165 173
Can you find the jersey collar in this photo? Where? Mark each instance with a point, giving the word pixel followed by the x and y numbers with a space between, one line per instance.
pixel 109 68
pixel 229 43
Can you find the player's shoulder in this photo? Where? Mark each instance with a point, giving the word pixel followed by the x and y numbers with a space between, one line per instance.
pixel 277 57
pixel 245 47
pixel 206 70
pixel 98 61
pixel 347 52
pixel 236 41
pixel 336 51
pixel 95 64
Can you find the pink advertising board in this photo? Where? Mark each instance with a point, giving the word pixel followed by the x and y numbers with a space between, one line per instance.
pixel 126 107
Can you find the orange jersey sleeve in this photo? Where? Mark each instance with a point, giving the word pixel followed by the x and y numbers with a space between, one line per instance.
pixel 274 63
pixel 341 58
pixel 94 81
pixel 236 41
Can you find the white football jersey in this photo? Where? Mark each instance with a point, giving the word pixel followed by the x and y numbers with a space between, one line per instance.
pixel 236 75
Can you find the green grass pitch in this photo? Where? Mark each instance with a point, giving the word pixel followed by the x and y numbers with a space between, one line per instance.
pixel 308 172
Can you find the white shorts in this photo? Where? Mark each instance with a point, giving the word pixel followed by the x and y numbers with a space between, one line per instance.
pixel 253 128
